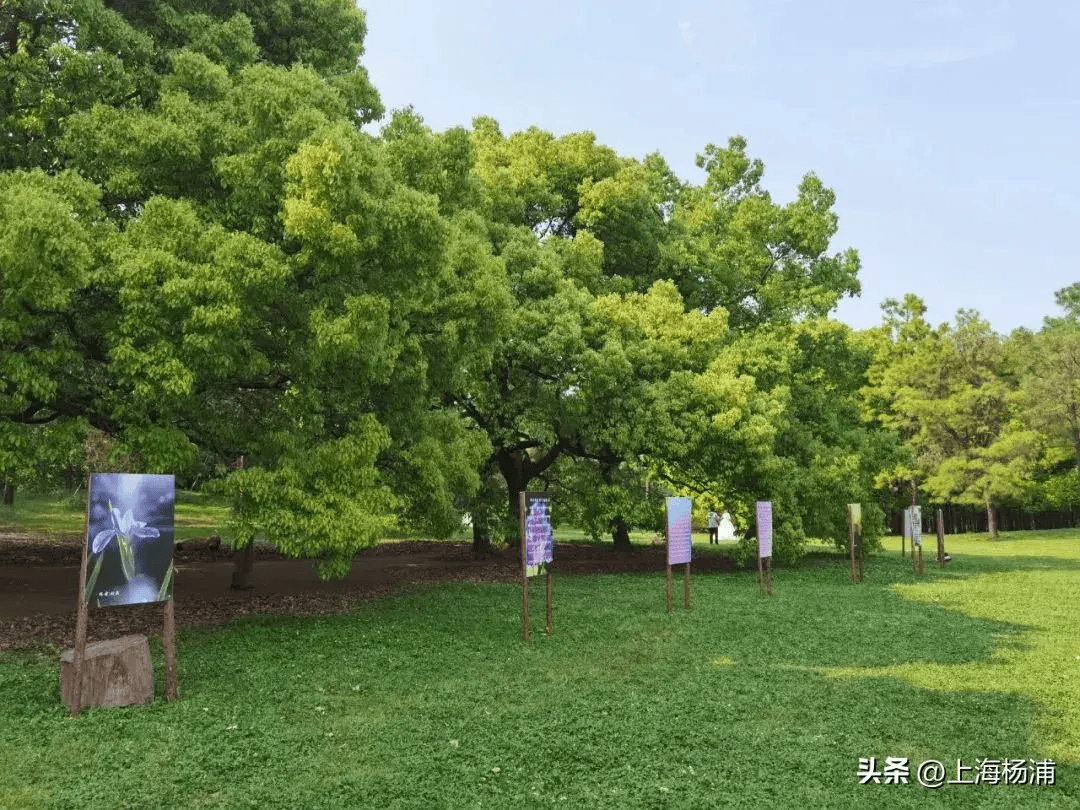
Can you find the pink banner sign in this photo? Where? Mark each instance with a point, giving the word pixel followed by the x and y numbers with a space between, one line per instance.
pixel 679 539
pixel 764 528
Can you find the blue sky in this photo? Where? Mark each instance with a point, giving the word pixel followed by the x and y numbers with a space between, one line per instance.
pixel 947 129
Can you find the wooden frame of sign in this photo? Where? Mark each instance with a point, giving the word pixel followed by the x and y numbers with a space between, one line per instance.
pixel 916 539
pixel 764 576
pixel 940 538
pixel 525 624
pixel 855 544
pixel 764 562
pixel 172 689
pixel 669 589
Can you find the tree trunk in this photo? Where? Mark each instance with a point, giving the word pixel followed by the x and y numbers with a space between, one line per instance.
pixel 481 543
pixel 518 470
pixel 9 494
pixel 620 533
pixel 991 525
pixel 513 531
pixel 243 568
pixel 1076 448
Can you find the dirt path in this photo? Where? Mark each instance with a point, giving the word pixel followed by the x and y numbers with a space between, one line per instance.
pixel 39 583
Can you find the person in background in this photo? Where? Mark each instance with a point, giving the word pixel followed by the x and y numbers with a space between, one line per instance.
pixel 714 526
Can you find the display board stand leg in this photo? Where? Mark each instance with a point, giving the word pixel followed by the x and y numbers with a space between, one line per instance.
pixel 686 588
pixel 524 573
pixel 851 549
pixel 549 605
pixel 667 591
pixel 525 609
pixel 80 639
pixel 81 617
pixel 172 691
pixel 768 575
pixel 940 538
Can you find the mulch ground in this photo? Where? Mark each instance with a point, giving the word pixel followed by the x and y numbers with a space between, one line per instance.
pixel 39 583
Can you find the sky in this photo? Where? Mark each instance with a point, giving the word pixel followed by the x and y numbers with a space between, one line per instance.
pixel 948 130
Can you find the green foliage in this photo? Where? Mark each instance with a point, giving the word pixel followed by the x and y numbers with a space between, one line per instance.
pixel 951 396
pixel 646 316
pixel 324 501
pixel 228 266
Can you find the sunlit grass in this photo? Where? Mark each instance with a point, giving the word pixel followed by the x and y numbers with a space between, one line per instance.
pixel 432 699
pixel 51 518
pixel 1031 580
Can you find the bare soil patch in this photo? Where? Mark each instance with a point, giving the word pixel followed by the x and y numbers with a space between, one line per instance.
pixel 39 583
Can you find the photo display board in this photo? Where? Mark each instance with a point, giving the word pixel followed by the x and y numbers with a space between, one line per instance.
pixel 764 528
pixel 130 539
pixel 679 537
pixel 855 520
pixel 539 537
pixel 914 522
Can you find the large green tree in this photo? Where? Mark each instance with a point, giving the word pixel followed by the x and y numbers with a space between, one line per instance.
pixel 637 298
pixel 222 263
pixel 1047 364
pixel 951 394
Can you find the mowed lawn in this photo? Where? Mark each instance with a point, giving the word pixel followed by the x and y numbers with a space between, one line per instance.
pixel 49 517
pixel 431 699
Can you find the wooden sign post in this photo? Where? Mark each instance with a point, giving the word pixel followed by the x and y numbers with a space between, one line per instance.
pixel 915 527
pixel 537 551
pixel 138 579
pixel 679 546
pixel 940 538
pixel 855 545
pixel 764 533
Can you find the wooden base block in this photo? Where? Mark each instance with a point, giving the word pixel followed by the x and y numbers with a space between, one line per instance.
pixel 116 672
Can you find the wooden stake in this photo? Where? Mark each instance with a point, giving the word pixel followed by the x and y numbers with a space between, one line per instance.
pixel 940 538
pixel 549 606
pixel 80 621
pixel 667 591
pixel 172 691
pixel 851 546
pixel 686 588
pixel 768 574
pixel 524 573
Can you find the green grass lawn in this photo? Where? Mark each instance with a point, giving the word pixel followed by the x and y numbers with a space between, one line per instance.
pixel 431 699
pixel 46 516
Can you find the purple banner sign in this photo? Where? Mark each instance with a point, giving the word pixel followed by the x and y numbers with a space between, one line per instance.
pixel 679 540
pixel 539 537
pixel 764 528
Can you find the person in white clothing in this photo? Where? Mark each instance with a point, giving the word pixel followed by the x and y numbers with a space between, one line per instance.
pixel 714 526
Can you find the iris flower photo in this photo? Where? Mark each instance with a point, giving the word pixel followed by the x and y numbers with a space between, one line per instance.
pixel 137 512
pixel 126 530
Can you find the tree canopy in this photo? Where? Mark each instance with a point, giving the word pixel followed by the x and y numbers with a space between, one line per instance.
pixel 204 256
